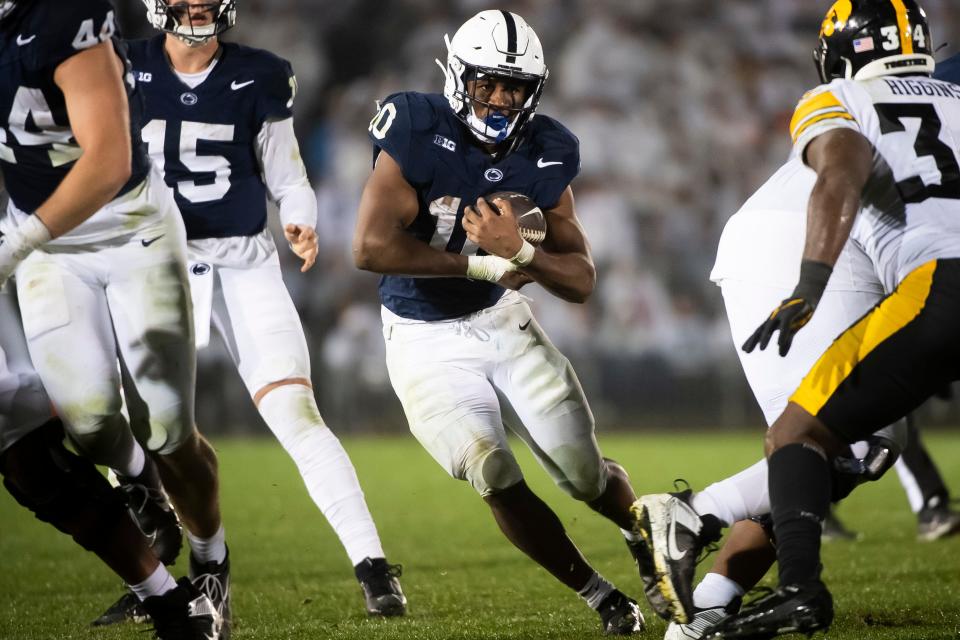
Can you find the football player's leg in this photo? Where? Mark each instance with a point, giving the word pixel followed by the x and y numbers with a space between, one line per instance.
pixel 150 307
pixel 261 327
pixel 545 405
pixel 67 325
pixel 772 379
pixel 439 375
pixel 67 491
pixel 878 370
pixel 741 562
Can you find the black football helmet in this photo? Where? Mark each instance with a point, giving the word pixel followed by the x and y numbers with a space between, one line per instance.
pixel 863 39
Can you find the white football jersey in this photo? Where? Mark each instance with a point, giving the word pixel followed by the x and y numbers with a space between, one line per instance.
pixel 762 243
pixel 911 207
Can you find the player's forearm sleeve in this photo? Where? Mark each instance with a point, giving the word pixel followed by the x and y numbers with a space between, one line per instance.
pixel 284 173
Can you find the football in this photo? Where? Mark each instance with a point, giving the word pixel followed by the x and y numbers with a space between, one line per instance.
pixel 530 219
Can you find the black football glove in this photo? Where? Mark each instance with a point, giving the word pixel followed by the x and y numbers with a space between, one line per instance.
pixel 794 312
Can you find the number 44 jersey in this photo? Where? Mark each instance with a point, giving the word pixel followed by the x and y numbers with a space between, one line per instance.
pixel 910 210
pixel 203 138
pixel 37 145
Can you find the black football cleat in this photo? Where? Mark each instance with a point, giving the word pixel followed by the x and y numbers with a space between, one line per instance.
pixel 790 609
pixel 381 588
pixel 153 513
pixel 127 608
pixel 620 615
pixel 937 522
pixel 184 614
pixel 213 580
pixel 675 535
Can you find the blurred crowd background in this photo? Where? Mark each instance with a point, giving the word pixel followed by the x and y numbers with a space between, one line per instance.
pixel 681 107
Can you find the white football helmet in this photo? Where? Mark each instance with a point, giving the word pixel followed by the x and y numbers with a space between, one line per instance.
pixel 6 6
pixel 170 18
pixel 500 44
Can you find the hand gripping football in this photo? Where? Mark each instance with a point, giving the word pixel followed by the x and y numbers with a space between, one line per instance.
pixel 530 219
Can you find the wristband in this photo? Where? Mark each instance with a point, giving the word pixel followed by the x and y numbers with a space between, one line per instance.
pixel 813 280
pixel 524 256
pixel 489 268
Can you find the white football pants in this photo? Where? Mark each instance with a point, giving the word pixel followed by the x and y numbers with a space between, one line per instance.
pixel 237 285
pixel 86 306
pixel 773 378
pixel 461 382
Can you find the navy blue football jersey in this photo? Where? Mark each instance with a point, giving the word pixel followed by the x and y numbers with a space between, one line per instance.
pixel 203 139
pixel 37 147
pixel 449 171
pixel 949 70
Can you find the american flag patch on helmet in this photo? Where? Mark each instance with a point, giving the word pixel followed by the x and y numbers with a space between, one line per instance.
pixel 863 44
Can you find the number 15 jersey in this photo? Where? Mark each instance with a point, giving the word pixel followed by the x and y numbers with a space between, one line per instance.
pixel 910 209
pixel 203 138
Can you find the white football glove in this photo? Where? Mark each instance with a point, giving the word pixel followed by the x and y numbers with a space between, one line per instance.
pixel 489 268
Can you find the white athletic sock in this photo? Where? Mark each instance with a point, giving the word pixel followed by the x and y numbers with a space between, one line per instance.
pixel 736 498
pixel 595 590
pixel 212 549
pixel 291 413
pixel 910 485
pixel 715 590
pixel 159 582
pixel 134 464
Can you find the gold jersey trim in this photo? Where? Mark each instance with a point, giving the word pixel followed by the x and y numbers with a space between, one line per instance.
pixel 856 343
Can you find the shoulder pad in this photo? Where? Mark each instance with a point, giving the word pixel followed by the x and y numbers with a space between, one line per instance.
pixel 819 104
pixel 276 84
pixel 397 127
pixel 553 142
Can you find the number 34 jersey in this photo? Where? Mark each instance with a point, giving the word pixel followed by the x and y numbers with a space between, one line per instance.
pixel 910 210
pixel 37 145
pixel 203 139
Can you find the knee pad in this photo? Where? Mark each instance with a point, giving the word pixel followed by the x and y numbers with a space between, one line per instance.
pixel 60 487
pixel 491 470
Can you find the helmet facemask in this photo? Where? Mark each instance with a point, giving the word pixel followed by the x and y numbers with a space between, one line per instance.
pixel 501 121
pixel 177 18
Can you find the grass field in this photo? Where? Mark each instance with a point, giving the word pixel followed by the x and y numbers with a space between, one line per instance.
pixel 291 578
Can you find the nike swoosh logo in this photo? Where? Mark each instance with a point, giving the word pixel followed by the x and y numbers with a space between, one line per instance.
pixel 672 550
pixel 147 243
pixel 22 41
pixel 524 326
pixel 542 164
pixel 240 85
